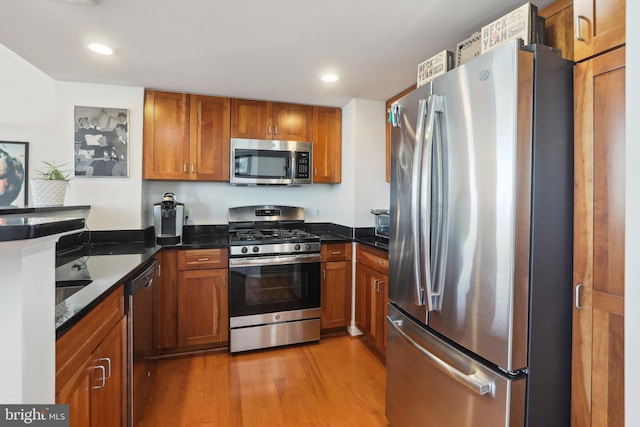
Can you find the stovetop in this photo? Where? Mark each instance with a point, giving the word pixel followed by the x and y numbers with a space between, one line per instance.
pixel 240 237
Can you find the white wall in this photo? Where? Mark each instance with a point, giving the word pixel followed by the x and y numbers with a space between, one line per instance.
pixel 116 203
pixel 632 230
pixel 26 106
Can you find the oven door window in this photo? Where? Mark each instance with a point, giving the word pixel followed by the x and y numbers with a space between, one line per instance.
pixel 268 289
pixel 262 164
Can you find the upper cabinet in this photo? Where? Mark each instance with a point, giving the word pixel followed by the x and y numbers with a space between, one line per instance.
pixel 271 120
pixel 559 26
pixel 599 26
pixel 327 145
pixel 186 137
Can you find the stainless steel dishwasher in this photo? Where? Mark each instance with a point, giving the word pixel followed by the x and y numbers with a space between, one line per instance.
pixel 141 356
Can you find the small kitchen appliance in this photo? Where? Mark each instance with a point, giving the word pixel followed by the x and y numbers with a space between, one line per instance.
pixel 168 216
pixel 274 278
pixel 270 162
pixel 382 222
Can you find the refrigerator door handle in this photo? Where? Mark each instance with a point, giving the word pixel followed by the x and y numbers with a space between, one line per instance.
pixel 415 207
pixel 439 231
pixel 476 383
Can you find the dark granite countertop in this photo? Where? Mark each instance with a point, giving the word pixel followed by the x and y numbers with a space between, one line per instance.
pixel 33 222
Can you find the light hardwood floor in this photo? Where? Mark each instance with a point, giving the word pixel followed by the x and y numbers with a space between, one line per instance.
pixel 337 382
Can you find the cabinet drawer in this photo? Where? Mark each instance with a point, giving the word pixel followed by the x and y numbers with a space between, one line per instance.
pixel 378 260
pixel 336 252
pixel 196 259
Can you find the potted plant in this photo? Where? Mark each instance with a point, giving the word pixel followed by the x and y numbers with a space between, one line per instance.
pixel 50 186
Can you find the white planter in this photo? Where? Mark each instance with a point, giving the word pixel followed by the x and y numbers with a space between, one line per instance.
pixel 48 193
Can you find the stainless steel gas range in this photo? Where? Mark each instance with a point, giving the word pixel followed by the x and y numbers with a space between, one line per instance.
pixel 274 278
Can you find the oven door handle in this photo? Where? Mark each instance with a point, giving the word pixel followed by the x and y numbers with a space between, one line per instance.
pixel 275 260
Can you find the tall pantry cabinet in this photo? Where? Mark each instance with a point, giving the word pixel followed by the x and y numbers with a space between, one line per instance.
pixel 599 206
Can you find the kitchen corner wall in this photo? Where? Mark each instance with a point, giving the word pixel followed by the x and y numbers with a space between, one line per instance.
pixel 116 203
pixel 40 110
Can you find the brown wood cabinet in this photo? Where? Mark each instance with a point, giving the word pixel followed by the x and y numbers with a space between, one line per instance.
pixel 599 26
pixel 91 366
pixel 271 120
pixel 372 267
pixel 335 291
pixel 202 297
pixel 598 314
pixel 559 26
pixel 186 137
pixel 327 145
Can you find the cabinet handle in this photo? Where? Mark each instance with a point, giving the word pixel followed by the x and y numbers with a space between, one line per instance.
pixel 324 274
pixel 158 272
pixel 184 167
pixel 193 167
pixel 578 33
pixel 108 360
pixel 269 130
pixel 224 282
pixel 203 259
pixel 103 378
pixel 315 171
pixel 336 252
pixel 578 287
pixel 275 130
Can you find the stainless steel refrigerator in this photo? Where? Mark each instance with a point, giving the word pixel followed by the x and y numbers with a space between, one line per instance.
pixel 480 274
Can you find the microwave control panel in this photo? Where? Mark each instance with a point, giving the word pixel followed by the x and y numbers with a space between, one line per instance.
pixel 302 165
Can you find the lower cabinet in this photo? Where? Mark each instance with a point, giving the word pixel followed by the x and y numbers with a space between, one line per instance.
pixel 192 300
pixel 202 307
pixel 91 366
pixel 335 291
pixel 372 279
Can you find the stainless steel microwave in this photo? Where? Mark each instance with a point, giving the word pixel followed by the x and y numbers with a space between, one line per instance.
pixel 270 162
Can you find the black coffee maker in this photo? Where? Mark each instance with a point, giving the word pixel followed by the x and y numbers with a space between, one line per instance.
pixel 168 216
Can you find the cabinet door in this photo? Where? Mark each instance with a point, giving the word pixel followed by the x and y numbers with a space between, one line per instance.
pixel 202 307
pixel 327 145
pixel 292 122
pixel 166 302
pixel 559 26
pixel 210 127
pixel 335 294
pixel 600 26
pixel 77 394
pixel 598 313
pixel 108 394
pixel 166 135
pixel 251 119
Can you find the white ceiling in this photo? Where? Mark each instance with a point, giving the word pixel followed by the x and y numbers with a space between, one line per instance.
pixel 260 49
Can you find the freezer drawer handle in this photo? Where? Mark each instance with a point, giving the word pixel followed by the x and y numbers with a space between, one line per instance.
pixel 480 386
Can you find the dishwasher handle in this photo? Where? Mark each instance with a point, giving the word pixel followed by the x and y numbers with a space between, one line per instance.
pixel 143 278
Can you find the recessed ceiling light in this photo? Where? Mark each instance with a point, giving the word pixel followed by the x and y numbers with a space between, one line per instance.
pixel 329 78
pixel 100 48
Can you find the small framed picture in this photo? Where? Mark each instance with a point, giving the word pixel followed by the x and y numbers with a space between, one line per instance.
pixel 101 146
pixel 14 168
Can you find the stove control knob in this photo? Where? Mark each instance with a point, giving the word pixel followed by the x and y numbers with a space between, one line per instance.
pixel 256 249
pixel 307 247
pixel 244 250
pixel 297 247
